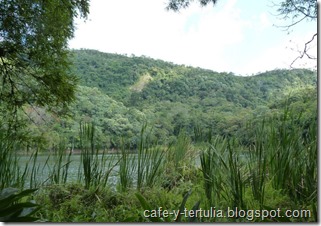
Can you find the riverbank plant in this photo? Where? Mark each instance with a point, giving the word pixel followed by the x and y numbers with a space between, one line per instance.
pixel 277 169
pixel 96 167
pixel 14 209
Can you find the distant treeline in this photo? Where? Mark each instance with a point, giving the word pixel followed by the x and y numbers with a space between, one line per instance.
pixel 119 93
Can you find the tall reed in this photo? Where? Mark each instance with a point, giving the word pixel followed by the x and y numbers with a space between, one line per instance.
pixel 10 172
pixel 178 152
pixel 34 181
pixel 291 158
pixel 149 161
pixel 281 150
pixel 61 161
pixel 257 164
pixel 96 167
pixel 235 172
pixel 285 152
pixel 107 163
pixel 224 174
pixel 87 147
pixel 127 165
pixel 309 184
pixel 212 169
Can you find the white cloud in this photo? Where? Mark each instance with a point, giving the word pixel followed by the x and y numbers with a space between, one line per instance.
pixel 208 37
pixel 281 56
pixel 265 21
pixel 126 27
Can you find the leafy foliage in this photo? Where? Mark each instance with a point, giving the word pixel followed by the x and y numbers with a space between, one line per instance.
pixel 11 210
pixel 172 98
pixel 176 5
pixel 176 97
pixel 269 173
pixel 34 58
pixel 299 9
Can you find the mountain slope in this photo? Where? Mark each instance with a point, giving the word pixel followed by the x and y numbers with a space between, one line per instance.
pixel 173 97
pixel 115 75
pixel 119 94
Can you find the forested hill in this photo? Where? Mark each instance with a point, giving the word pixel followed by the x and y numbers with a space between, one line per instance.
pixel 119 93
pixel 140 80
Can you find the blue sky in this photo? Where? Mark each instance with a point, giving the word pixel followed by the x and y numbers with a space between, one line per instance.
pixel 238 36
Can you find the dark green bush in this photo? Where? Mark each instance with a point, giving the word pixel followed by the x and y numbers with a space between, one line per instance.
pixel 14 210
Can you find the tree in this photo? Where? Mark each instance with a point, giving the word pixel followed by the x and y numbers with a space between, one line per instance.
pixel 34 63
pixel 298 11
pixel 176 5
pixel 301 9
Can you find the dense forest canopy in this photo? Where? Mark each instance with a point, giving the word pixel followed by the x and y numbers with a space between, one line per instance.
pixel 34 55
pixel 119 93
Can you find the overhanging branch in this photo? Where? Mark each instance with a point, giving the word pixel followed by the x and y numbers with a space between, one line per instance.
pixel 305 51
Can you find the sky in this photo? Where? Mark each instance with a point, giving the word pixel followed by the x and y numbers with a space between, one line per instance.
pixel 239 36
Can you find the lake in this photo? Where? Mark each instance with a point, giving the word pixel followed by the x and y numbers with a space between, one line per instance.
pixel 44 165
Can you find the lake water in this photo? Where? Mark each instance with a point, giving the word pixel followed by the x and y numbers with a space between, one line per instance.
pixel 45 165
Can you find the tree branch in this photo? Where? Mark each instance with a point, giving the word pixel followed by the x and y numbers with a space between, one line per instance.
pixel 302 11
pixel 305 51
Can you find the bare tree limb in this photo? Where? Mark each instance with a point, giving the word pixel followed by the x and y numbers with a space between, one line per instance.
pixel 287 27
pixel 305 51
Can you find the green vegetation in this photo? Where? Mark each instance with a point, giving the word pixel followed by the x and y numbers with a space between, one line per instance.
pixel 181 138
pixel 230 175
pixel 184 139
pixel 176 98
pixel 34 55
pixel 13 210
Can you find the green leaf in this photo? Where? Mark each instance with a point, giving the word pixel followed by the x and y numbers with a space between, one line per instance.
pixel 195 207
pixel 182 206
pixel 13 211
pixel 147 206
